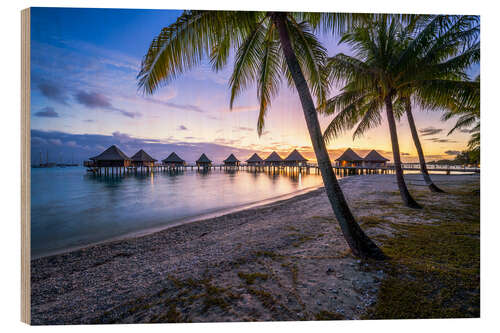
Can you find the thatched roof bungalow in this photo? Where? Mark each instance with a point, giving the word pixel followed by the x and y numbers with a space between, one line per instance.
pixel 111 157
pixel 273 159
pixel 295 159
pixel 231 160
pixel 203 161
pixel 255 160
pixel 141 158
pixel 174 160
pixel 349 159
pixel 374 159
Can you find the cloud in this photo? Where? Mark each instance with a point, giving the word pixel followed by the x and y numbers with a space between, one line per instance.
pixel 35 141
pixel 95 100
pixel 82 146
pixel 242 109
pixel 47 112
pixel 452 152
pixel 430 131
pixel 246 129
pixel 53 92
pixel 440 140
pixel 184 107
pixel 228 142
pixel 121 137
pixel 129 113
pixel 56 142
pixel 182 128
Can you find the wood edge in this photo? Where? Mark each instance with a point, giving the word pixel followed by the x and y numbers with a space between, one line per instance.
pixel 25 167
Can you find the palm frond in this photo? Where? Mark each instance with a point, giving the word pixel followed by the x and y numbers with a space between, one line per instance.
pixel 184 44
pixel 247 61
pixel 312 57
pixel 371 118
pixel 269 78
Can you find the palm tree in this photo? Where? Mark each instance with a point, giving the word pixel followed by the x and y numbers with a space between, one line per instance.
pixel 371 84
pixel 268 46
pixel 394 63
pixel 440 63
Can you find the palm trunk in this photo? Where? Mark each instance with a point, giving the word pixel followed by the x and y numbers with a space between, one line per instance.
pixel 403 190
pixel 360 244
pixel 420 152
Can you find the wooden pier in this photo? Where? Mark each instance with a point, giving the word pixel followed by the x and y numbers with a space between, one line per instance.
pixel 304 168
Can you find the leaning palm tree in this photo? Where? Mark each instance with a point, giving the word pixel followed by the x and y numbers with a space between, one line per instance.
pixel 414 63
pixel 269 46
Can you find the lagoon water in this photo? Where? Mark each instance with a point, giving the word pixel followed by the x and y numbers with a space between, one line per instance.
pixel 71 209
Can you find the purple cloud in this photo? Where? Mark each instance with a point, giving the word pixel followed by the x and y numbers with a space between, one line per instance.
pixel 184 107
pixel 430 131
pixel 79 147
pixel 53 92
pixel 47 112
pixel 95 100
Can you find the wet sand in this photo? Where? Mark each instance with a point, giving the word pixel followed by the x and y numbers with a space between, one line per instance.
pixel 283 261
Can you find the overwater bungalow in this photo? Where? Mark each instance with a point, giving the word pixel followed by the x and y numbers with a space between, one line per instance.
pixel 203 161
pixel 231 160
pixel 173 160
pixel 255 160
pixel 295 159
pixel 111 157
pixel 273 160
pixel 142 159
pixel 374 159
pixel 349 159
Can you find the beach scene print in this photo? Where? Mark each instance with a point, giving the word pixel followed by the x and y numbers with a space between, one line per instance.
pixel 221 166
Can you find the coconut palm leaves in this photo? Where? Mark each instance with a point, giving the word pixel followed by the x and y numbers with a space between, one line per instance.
pixel 424 62
pixel 467 109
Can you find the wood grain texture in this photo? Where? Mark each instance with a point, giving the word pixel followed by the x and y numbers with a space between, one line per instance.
pixel 25 167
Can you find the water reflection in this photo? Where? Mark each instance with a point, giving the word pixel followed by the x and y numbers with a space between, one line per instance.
pixel 71 208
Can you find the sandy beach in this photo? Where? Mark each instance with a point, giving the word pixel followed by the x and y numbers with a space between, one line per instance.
pixel 283 261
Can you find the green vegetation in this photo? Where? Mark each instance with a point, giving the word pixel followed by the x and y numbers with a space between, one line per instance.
pixel 372 221
pixel 172 315
pixel 466 157
pixel 434 268
pixel 250 278
pixel 267 300
pixel 326 315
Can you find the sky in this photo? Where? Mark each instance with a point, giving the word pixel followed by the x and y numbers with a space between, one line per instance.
pixel 84 98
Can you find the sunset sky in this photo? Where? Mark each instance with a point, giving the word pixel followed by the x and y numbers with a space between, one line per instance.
pixel 84 97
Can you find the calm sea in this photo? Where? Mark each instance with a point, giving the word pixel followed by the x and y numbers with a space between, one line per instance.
pixel 71 209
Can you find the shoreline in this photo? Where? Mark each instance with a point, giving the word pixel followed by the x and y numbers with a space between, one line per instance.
pixel 286 260
pixel 203 216
pixel 186 220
